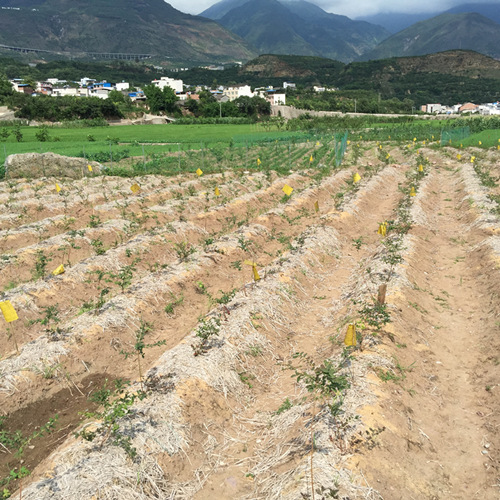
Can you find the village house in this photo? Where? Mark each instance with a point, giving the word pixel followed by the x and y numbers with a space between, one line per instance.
pixel 433 108
pixel 468 107
pixel 165 81
pixel 489 109
pixel 236 91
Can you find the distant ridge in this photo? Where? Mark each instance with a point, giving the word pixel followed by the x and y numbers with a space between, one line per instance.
pixel 127 26
pixel 296 27
pixel 398 21
pixel 444 32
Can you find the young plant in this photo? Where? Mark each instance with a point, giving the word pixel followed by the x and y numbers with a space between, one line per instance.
pixel 324 382
pixel 98 246
pixel 176 301
pixel 375 314
pixel 40 265
pixel 140 345
pixel 208 328
pixel 125 275
pixel 184 249
pixel 357 242
pixel 115 406
pixel 16 441
pixel 95 221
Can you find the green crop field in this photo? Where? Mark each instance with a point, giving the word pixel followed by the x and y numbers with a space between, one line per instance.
pixel 484 139
pixel 141 140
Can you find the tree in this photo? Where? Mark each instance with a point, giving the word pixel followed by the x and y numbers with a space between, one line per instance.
pixel 116 97
pixel 17 133
pixel 6 89
pixel 160 100
pixel 42 134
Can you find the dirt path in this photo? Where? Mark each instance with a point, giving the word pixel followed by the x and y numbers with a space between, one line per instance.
pixel 442 419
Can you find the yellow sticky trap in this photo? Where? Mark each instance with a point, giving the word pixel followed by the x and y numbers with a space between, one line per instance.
pixel 387 156
pixel 258 162
pixel 58 270
pixel 350 336
pixel 89 167
pixel 348 142
pixel 414 139
pixel 459 156
pixel 380 146
pixel 249 263
pixel 311 159
pixel 287 189
pixel 199 171
pixel 216 191
pixel 420 168
pixel 135 188
pixel 356 178
pixel 58 188
pixel 472 158
pixel 382 229
pixel 480 143
pixel 256 276
pixel 316 206
pixel 317 143
pixel 412 191
pixel 8 311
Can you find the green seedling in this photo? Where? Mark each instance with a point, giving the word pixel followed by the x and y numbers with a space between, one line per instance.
pixel 140 345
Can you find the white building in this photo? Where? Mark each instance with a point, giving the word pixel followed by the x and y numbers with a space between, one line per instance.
pixel 489 109
pixel 290 85
pixel 165 81
pixel 434 108
pixel 65 91
pixel 276 99
pixel 233 93
pixel 101 92
pixel 122 86
pixel 55 81
pixel 87 81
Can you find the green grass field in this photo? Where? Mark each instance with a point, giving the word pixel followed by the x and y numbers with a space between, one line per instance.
pixel 139 140
pixel 486 139
pixel 109 144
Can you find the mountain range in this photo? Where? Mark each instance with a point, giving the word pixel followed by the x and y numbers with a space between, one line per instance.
pixel 397 21
pixel 129 26
pixel 302 28
pixel 296 27
pixel 230 30
pixel 470 31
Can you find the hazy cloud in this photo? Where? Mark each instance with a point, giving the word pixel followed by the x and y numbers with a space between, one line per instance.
pixel 351 8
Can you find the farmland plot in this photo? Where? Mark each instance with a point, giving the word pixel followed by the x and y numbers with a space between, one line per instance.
pixel 228 313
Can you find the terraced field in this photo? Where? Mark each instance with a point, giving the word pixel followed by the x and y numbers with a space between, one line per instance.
pixel 228 313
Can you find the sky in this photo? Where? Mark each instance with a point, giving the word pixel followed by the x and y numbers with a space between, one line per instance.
pixel 349 7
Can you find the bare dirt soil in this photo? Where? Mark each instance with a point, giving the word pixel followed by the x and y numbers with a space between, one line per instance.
pixel 410 412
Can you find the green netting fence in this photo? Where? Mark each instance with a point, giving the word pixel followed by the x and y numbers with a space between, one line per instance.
pixel 340 142
pixel 453 135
